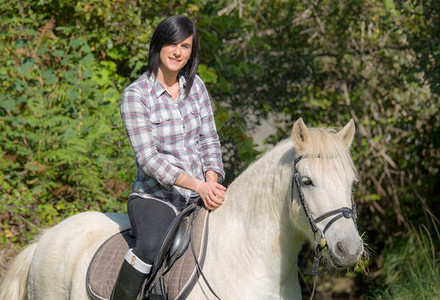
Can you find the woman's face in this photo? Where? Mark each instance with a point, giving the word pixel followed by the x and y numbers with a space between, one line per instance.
pixel 173 57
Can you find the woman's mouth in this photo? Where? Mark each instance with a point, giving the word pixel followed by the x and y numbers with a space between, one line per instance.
pixel 173 60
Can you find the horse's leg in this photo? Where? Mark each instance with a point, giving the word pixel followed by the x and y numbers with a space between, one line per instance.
pixel 14 283
pixel 63 254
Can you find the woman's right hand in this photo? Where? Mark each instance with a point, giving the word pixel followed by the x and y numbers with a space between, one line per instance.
pixel 212 194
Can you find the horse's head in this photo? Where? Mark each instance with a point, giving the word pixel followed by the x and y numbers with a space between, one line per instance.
pixel 322 183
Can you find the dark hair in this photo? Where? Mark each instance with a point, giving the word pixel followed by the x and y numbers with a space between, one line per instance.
pixel 174 30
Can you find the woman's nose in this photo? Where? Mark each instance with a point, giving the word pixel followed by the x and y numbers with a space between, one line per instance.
pixel 177 51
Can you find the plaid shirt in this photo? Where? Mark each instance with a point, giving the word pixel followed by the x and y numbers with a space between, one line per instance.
pixel 169 137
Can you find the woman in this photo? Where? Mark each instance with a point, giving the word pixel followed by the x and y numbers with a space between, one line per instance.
pixel 169 121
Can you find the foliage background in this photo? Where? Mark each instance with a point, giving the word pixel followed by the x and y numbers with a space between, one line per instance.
pixel 63 148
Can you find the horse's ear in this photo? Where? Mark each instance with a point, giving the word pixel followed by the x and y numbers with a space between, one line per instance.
pixel 300 134
pixel 347 133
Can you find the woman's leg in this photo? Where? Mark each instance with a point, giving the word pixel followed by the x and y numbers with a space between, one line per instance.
pixel 149 221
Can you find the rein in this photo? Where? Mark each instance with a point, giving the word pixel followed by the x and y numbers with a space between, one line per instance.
pixel 199 268
pixel 345 212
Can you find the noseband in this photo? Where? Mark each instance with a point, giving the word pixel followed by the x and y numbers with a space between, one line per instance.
pixel 345 212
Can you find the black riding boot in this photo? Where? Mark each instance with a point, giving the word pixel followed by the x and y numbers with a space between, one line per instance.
pixel 129 283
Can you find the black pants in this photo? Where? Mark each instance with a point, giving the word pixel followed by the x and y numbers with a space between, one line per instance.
pixel 149 220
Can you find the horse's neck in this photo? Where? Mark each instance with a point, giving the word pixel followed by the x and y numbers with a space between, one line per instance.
pixel 253 228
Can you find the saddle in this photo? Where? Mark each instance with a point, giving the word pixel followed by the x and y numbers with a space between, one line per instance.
pixel 176 266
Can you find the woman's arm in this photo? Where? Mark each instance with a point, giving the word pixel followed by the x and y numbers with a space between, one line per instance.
pixel 211 176
pixel 136 119
pixel 209 140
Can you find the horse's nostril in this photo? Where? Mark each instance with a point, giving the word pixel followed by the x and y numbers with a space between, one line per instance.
pixel 340 248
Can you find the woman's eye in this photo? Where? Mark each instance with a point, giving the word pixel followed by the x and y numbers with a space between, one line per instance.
pixel 307 181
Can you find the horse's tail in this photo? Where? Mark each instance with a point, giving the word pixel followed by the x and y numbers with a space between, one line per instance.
pixel 13 286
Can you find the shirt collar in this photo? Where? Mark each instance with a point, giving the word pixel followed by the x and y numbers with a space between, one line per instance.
pixel 157 87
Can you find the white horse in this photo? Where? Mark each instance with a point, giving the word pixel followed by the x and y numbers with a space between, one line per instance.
pixel 254 238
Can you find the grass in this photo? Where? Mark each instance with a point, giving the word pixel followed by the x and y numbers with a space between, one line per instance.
pixel 411 269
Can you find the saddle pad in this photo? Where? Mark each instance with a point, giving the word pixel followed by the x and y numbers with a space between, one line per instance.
pixel 104 267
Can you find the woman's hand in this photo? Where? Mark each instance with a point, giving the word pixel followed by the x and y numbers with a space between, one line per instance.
pixel 212 194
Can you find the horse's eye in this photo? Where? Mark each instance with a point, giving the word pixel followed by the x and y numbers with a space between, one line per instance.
pixel 307 181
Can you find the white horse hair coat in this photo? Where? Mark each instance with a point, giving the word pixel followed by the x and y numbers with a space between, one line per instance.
pixel 254 237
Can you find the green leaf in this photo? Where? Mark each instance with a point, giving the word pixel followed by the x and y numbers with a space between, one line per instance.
pixel 71 76
pixel 115 53
pixel 49 77
pixel 8 105
pixel 21 99
pixel 24 68
pixel 207 74
pixel 69 134
pixel 58 53
pixel 86 48
pixel 87 59
pixel 42 50
pixel 72 94
pixel 76 43
pixel 20 44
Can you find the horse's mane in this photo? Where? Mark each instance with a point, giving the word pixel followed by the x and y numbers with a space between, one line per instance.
pixel 325 151
pixel 267 178
pixel 264 180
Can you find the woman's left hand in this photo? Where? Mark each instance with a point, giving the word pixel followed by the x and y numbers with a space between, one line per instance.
pixel 212 194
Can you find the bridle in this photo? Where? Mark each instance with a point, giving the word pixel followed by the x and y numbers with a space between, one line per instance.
pixel 337 214
pixel 345 212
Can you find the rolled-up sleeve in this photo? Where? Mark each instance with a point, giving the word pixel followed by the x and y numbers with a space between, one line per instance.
pixel 135 117
pixel 209 140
